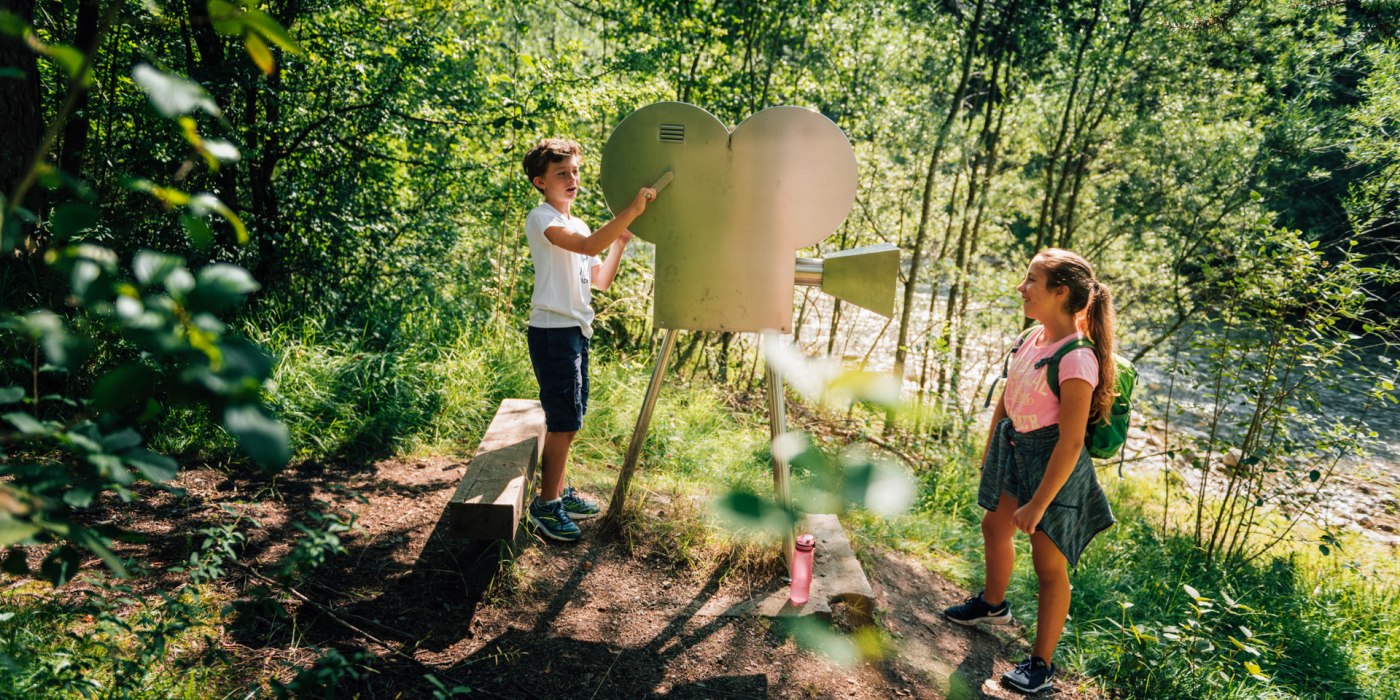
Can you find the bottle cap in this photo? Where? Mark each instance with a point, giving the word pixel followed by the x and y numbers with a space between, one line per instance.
pixel 806 543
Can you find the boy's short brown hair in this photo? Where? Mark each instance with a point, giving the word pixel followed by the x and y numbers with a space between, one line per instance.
pixel 548 151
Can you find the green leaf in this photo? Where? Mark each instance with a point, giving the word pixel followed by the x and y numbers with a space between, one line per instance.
pixel 15 531
pixel 204 203
pixel 79 497
pixel 95 544
pixel 155 467
pixel 168 196
pixel 882 487
pixel 121 440
pixel 272 31
pixel 818 636
pixel 258 51
pixel 220 286
pixel 750 511
pixel 1326 551
pixel 123 388
pixel 227 17
pixel 71 61
pixel 72 218
pixel 260 437
pixel 221 150
pixel 26 423
pixel 11 394
pixel 51 332
pixel 1314 475
pixel 1254 671
pixel 201 236
pixel 172 95
pixel 11 24
pixel 153 268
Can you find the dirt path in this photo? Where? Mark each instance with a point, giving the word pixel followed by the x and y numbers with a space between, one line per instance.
pixel 588 620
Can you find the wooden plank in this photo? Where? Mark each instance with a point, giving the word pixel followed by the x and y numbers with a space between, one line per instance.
pixel 496 487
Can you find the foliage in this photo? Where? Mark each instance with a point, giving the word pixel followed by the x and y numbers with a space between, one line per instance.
pixel 106 637
pixel 1230 167
pixel 131 341
pixel 1281 338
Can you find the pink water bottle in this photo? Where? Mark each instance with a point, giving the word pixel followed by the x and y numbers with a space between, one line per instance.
pixel 802 569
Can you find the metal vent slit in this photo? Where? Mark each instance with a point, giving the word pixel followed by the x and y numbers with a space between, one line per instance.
pixel 672 133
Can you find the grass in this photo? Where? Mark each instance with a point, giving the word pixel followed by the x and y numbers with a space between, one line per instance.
pixel 1315 626
pixel 97 638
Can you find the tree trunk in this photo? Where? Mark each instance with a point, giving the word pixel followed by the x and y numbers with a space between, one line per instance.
pixel 1048 200
pixel 75 132
pixel 991 136
pixel 20 118
pixel 926 212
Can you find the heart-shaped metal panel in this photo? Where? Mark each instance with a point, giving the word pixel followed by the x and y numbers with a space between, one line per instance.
pixel 728 227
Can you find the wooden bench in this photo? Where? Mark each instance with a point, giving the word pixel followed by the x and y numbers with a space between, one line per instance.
pixel 497 486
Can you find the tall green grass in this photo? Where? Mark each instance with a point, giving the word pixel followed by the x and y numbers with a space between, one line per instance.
pixel 1315 626
pixel 344 400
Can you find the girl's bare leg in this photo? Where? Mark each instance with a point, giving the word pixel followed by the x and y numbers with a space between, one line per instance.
pixel 997 534
pixel 1052 572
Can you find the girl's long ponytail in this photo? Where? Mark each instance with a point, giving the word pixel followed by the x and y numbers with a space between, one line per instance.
pixel 1099 321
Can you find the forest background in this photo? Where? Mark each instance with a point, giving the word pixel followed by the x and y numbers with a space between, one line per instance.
pixel 243 235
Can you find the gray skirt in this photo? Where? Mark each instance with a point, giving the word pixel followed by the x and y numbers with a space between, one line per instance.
pixel 1016 462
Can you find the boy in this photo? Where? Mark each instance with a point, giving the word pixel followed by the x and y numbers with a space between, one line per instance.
pixel 561 319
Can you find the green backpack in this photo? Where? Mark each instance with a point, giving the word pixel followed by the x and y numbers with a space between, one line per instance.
pixel 1106 437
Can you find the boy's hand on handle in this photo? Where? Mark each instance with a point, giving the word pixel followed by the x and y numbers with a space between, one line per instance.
pixel 639 203
pixel 1027 517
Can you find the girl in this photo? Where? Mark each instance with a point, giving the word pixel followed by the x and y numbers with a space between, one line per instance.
pixel 1036 473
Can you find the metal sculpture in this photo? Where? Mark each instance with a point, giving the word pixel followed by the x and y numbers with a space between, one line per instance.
pixel 727 232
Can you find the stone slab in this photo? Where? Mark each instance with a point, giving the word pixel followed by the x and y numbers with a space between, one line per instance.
pixel 494 491
pixel 837 578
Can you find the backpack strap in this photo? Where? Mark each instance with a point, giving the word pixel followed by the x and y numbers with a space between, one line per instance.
pixel 1052 363
pixel 1006 365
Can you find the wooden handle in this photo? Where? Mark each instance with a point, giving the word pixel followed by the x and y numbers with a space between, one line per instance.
pixel 663 181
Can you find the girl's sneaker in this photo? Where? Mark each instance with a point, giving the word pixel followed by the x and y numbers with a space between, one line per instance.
pixel 577 506
pixel 976 609
pixel 552 521
pixel 1030 676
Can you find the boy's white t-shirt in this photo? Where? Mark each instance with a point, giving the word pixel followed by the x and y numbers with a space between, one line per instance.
pixel 563 280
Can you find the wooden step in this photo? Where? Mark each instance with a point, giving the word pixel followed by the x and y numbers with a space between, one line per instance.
pixel 498 483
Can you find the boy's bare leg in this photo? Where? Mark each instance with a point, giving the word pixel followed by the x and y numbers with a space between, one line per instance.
pixel 553 463
pixel 1052 572
pixel 999 550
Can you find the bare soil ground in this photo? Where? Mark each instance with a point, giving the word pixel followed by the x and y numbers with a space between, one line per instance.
pixel 598 619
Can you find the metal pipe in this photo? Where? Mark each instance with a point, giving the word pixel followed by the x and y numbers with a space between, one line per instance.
pixel 809 272
pixel 639 432
pixel 777 424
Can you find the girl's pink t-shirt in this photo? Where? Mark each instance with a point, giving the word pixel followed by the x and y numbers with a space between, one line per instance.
pixel 1029 402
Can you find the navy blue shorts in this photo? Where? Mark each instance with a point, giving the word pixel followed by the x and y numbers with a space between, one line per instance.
pixel 560 359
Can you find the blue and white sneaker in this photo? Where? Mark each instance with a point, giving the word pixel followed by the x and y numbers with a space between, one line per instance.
pixel 976 609
pixel 1030 676
pixel 577 506
pixel 553 521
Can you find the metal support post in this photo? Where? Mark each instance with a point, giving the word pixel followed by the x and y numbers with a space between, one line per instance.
pixel 777 423
pixel 639 433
